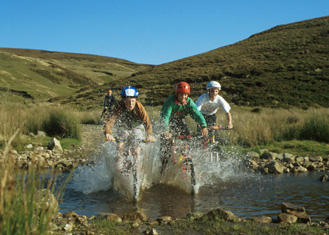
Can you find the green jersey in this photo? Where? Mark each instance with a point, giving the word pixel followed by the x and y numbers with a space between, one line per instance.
pixel 173 110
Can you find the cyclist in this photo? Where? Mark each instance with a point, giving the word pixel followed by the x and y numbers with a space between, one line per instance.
pixel 173 113
pixel 132 121
pixel 109 102
pixel 209 103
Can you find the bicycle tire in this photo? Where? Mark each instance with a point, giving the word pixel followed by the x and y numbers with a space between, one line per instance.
pixel 134 171
pixel 189 163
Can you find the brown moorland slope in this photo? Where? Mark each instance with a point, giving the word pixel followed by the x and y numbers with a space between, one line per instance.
pixel 285 66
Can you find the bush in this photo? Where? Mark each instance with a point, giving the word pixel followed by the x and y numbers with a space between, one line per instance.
pixel 315 128
pixel 63 124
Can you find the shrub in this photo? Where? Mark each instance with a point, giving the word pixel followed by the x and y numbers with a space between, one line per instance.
pixel 63 124
pixel 315 128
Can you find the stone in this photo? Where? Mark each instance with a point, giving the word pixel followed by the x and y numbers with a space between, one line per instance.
pixel 274 168
pixel 280 156
pixel 287 208
pixel 41 134
pixel 109 217
pixel 46 200
pixel 222 214
pixel 311 167
pixel 299 159
pixel 29 146
pixel 253 155
pixel 287 218
pixel 324 178
pixel 164 219
pixel 289 156
pixel 251 164
pixel 263 219
pixel 263 151
pixel 301 169
pixel 302 217
pixel 134 217
pixel 55 145
pixel 269 155
pixel 315 158
pixel 39 148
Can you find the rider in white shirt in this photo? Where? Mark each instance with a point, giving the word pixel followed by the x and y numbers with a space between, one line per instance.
pixel 209 103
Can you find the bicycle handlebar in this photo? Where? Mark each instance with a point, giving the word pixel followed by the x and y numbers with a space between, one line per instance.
pixel 219 127
pixel 144 141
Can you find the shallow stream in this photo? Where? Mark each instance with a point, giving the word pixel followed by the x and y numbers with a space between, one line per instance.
pixel 222 185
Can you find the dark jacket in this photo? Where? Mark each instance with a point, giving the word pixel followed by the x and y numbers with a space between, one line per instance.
pixel 109 101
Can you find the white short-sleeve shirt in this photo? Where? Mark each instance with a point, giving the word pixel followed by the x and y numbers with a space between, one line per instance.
pixel 208 107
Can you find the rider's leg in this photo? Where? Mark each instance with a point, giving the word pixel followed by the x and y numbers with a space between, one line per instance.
pixel 120 156
pixel 165 152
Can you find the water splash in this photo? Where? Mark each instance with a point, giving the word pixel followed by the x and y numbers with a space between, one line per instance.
pixel 102 176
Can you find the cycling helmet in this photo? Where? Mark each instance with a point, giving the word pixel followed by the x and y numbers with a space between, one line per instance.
pixel 213 84
pixel 129 91
pixel 183 87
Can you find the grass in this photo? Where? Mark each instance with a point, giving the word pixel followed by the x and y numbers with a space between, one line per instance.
pixel 296 130
pixel 57 122
pixel 27 203
pixel 36 75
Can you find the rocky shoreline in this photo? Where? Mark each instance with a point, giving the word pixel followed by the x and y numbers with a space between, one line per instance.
pixel 277 163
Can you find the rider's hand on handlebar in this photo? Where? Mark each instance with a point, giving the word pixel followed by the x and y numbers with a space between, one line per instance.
pixel 150 139
pixel 109 137
pixel 204 131
pixel 167 134
pixel 229 126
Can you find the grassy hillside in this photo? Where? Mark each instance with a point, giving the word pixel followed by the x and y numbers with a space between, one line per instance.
pixel 35 75
pixel 287 65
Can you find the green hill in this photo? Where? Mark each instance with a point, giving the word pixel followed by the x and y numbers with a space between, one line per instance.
pixel 285 66
pixel 35 75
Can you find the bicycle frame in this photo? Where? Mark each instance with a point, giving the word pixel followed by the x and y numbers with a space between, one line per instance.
pixel 182 158
pixel 130 168
pixel 210 143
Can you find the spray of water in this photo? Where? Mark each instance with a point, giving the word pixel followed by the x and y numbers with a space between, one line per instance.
pixel 103 176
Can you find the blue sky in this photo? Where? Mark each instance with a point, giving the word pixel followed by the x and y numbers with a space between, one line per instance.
pixel 144 31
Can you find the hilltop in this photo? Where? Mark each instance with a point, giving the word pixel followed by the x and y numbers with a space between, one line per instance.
pixel 284 66
pixel 36 75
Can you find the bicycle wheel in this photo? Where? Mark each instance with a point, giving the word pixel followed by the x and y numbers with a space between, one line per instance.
pixel 189 167
pixel 135 186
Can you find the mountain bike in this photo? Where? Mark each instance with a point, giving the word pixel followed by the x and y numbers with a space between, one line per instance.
pixel 128 176
pixel 211 146
pixel 182 160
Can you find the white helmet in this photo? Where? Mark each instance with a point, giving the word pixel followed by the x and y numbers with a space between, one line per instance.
pixel 213 84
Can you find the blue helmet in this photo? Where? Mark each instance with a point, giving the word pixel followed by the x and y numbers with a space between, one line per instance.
pixel 129 91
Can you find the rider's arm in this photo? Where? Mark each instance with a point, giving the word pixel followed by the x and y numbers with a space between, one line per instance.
pixel 106 100
pixel 229 120
pixel 200 101
pixel 110 122
pixel 166 112
pixel 196 114
pixel 142 114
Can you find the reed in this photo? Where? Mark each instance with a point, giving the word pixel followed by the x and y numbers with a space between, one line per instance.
pixel 55 121
pixel 252 126
pixel 268 125
pixel 62 123
pixel 25 206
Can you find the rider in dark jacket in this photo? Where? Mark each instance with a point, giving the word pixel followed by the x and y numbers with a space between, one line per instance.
pixel 109 102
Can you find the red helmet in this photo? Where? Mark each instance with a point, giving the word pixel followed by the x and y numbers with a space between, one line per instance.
pixel 183 87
